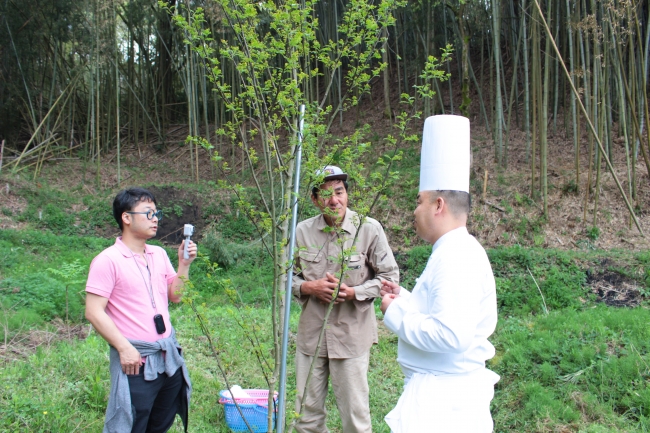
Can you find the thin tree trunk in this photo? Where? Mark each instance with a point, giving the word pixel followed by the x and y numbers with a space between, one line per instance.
pixel 117 120
pixel 384 56
pixel 526 79
pixel 498 121
pixel 576 144
pixel 444 30
pixel 97 99
pixel 464 41
pixel 513 90
pixel 543 141
pixel 556 65
pixel 535 87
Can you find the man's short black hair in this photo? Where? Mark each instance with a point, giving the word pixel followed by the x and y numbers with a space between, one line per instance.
pixel 315 189
pixel 127 199
pixel 458 202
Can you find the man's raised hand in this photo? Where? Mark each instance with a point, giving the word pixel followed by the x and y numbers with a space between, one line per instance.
pixel 386 301
pixel 192 250
pixel 388 287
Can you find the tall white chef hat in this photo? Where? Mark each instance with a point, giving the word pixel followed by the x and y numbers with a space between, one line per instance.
pixel 445 154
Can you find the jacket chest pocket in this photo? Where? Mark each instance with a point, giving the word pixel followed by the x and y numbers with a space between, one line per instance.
pixel 312 265
pixel 357 270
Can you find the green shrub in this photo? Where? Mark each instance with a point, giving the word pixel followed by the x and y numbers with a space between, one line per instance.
pixel 58 220
pixel 560 279
pixel 44 295
pixel 228 254
pixel 593 233
pixel 231 224
pixel 98 214
pixel 27 247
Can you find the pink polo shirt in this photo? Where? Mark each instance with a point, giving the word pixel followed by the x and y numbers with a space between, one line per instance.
pixel 114 274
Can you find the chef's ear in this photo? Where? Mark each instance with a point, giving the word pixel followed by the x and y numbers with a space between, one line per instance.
pixel 440 204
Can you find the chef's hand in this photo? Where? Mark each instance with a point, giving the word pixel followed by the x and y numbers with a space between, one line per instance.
pixel 389 287
pixel 386 301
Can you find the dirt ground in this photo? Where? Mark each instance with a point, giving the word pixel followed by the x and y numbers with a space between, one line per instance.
pixel 25 342
pixel 569 219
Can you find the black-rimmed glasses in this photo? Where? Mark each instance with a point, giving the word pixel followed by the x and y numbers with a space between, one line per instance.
pixel 150 214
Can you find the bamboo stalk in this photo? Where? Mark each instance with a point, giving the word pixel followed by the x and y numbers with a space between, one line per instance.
pixel 576 143
pixel 480 97
pixel 535 97
pixel 47 115
pixel 599 157
pixel 623 122
pixel 643 81
pixel 585 60
pixel 117 93
pixel 555 64
pixel 498 120
pixel 47 158
pixel 57 123
pixel 22 74
pixel 463 48
pixel 543 140
pixel 513 89
pixel 526 79
pixel 591 126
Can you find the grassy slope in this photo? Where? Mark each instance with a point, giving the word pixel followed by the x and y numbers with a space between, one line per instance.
pixel 581 367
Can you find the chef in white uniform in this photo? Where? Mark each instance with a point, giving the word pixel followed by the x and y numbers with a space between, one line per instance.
pixel 444 324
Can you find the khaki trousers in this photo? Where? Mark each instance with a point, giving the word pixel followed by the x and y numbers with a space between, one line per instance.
pixel 350 386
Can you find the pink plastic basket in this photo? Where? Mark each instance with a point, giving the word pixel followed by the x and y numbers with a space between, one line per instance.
pixel 255 410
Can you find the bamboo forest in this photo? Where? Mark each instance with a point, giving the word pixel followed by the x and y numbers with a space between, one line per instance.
pixel 92 77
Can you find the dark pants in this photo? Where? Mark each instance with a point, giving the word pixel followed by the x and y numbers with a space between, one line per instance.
pixel 155 402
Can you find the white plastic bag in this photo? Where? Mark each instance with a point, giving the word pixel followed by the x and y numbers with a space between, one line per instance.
pixel 237 392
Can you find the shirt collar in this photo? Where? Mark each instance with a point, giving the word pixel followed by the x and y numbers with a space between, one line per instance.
pixel 126 252
pixel 348 223
pixel 450 236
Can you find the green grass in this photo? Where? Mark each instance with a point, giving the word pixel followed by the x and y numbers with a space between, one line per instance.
pixel 574 368
pixel 582 367
pixel 29 293
pixel 73 212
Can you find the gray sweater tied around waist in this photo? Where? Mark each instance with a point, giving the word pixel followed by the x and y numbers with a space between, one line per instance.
pixel 119 413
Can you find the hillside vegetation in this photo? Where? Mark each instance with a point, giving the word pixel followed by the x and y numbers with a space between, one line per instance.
pixel 100 96
pixel 572 340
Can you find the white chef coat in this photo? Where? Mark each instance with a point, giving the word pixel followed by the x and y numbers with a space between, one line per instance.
pixel 444 325
pixel 443 328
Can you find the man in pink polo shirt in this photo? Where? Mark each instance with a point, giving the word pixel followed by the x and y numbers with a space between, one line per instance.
pixel 127 294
